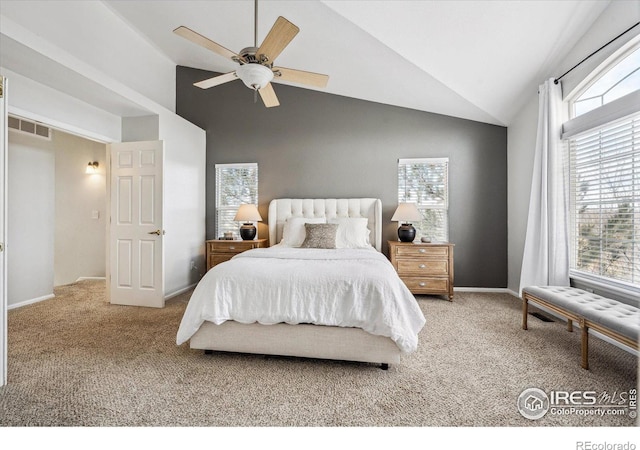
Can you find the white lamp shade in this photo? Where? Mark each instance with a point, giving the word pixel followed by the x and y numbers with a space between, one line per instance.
pixel 406 212
pixel 248 213
pixel 254 76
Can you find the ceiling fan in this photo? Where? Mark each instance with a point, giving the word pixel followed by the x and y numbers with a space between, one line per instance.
pixel 256 63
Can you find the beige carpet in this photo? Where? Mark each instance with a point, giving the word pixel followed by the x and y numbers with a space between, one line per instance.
pixel 76 360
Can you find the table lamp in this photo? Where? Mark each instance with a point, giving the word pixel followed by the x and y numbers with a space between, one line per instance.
pixel 248 214
pixel 406 213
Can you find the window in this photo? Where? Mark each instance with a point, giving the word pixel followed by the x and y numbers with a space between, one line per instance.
pixel 235 184
pixel 617 82
pixel 604 169
pixel 605 201
pixel 425 182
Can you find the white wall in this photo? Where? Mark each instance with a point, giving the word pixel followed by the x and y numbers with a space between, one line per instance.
pixel 80 238
pixel 89 41
pixel 142 128
pixel 36 101
pixel 521 139
pixel 90 37
pixel 184 202
pixel 30 240
pixel 184 194
pixel 521 132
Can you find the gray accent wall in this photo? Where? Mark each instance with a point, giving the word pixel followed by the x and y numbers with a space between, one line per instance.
pixel 318 145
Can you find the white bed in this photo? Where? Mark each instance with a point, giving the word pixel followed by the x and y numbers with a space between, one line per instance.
pixel 343 304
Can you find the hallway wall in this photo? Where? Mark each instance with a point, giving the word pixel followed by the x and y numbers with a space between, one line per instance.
pixel 52 237
pixel 80 209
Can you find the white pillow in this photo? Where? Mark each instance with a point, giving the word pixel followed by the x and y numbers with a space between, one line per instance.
pixel 352 232
pixel 294 233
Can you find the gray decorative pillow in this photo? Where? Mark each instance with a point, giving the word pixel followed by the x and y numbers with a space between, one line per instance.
pixel 320 235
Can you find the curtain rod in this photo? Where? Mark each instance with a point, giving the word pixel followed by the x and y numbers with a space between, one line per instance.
pixel 625 31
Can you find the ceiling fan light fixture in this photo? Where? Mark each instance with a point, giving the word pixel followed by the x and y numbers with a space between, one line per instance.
pixel 254 76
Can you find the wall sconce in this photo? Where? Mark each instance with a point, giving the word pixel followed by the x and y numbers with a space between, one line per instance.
pixel 92 167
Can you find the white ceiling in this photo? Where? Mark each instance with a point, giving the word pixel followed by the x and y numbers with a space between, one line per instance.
pixel 478 60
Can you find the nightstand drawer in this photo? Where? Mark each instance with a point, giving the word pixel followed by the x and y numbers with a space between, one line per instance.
pixel 219 258
pixel 219 250
pixel 422 251
pixel 231 246
pixel 422 267
pixel 419 285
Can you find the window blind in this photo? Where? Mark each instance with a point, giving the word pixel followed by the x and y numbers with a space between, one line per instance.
pixel 425 182
pixel 236 184
pixel 605 202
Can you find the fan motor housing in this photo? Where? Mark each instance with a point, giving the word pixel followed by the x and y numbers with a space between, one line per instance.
pixel 249 55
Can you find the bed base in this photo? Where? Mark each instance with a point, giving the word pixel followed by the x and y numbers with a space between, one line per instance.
pixel 302 340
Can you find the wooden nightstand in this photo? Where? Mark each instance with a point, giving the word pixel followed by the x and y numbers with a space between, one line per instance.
pixel 424 268
pixel 223 250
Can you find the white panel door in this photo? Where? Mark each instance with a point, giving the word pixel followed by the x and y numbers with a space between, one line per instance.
pixel 3 229
pixel 136 275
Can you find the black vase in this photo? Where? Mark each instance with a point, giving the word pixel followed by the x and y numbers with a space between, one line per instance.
pixel 406 232
pixel 248 231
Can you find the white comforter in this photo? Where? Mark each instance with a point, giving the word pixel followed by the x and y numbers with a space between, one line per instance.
pixel 338 287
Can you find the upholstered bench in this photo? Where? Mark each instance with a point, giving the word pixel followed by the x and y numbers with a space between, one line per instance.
pixel 608 317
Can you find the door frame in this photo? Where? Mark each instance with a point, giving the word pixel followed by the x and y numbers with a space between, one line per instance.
pixel 3 231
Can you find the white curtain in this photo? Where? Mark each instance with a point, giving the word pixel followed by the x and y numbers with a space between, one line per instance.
pixel 545 261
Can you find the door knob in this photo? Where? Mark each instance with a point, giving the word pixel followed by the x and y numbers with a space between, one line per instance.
pixel 157 232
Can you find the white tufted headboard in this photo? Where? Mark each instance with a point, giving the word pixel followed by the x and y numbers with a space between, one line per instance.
pixel 283 208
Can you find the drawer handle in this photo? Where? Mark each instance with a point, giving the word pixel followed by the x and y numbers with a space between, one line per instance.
pixel 232 247
pixel 422 284
pixel 422 266
pixel 422 250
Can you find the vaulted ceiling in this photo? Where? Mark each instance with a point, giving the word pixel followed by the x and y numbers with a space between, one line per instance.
pixel 478 60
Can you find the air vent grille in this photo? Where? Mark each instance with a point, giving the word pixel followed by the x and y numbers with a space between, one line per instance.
pixel 29 127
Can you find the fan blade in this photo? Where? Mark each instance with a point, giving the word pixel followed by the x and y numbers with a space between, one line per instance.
pixel 215 81
pixel 300 76
pixel 199 39
pixel 278 38
pixel 268 96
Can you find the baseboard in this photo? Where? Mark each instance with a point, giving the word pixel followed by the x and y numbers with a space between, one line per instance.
pixel 479 289
pixel 90 278
pixel 514 293
pixel 29 302
pixel 179 291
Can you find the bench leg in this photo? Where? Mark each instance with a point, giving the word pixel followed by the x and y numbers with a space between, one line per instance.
pixel 585 344
pixel 525 311
pixel 570 325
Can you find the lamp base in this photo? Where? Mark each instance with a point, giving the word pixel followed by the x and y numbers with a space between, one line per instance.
pixel 406 233
pixel 248 231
